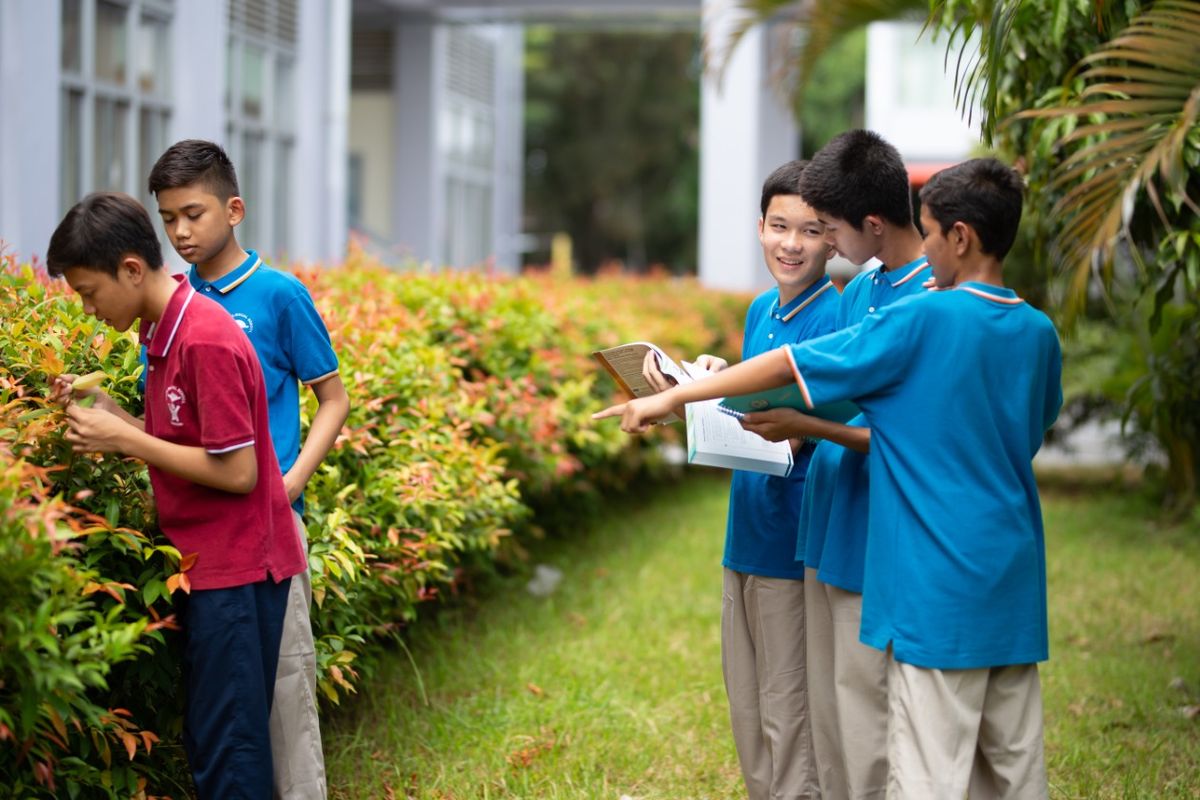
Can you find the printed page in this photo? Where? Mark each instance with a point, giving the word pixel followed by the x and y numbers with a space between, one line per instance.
pixel 624 363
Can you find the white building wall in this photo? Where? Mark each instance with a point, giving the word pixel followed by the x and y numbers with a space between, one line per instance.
pixel 30 39
pixel 910 94
pixel 418 200
pixel 745 133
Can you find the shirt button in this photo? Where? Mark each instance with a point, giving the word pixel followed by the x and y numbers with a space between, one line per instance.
pixel 152 369
pixel 776 316
pixel 871 309
pixel 770 336
pixel 208 288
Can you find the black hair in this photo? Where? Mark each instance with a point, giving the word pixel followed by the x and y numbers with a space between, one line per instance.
pixel 99 231
pixel 858 173
pixel 195 161
pixel 983 193
pixel 784 180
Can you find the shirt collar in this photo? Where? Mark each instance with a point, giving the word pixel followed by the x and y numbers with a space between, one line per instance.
pixel 231 280
pixel 997 294
pixel 158 336
pixel 901 275
pixel 803 299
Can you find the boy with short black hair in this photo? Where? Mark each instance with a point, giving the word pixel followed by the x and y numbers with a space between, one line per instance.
pixel 762 617
pixel 859 186
pixel 197 191
pixel 955 581
pixel 217 487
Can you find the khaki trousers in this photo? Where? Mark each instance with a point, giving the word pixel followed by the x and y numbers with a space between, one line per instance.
pixel 847 690
pixel 762 656
pixel 974 732
pixel 297 759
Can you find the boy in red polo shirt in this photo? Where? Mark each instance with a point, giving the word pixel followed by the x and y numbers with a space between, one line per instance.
pixel 217 485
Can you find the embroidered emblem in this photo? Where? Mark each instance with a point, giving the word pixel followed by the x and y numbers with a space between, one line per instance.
pixel 175 401
pixel 244 322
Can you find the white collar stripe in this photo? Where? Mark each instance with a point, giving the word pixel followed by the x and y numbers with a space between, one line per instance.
pixel 239 281
pixel 179 319
pixel 993 297
pixel 812 297
pixel 922 265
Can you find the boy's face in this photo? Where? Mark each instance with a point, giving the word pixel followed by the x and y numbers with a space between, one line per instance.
pixel 793 244
pixel 856 246
pixel 198 224
pixel 114 301
pixel 943 253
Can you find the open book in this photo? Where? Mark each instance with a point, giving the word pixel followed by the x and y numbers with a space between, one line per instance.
pixel 714 438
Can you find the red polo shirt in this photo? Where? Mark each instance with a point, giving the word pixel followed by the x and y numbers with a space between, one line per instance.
pixel 204 388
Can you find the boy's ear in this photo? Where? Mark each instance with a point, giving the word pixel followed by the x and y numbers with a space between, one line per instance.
pixel 960 236
pixel 132 268
pixel 235 210
pixel 873 224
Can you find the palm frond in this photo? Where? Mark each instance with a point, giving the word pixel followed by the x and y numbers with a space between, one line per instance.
pixel 1138 120
pixel 803 31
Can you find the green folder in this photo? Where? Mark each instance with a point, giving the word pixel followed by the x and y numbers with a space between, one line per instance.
pixel 788 397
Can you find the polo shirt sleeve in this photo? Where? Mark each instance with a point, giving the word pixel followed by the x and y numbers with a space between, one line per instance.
pixel 224 381
pixel 857 361
pixel 1054 392
pixel 306 340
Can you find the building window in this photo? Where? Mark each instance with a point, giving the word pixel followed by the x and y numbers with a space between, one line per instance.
pixel 114 105
pixel 261 136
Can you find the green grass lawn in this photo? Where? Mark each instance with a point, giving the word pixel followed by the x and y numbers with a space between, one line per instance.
pixel 612 686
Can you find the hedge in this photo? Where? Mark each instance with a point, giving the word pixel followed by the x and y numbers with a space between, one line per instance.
pixel 471 395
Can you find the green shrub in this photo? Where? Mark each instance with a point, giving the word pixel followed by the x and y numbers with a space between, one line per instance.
pixel 471 400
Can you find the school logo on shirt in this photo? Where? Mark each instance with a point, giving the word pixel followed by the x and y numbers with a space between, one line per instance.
pixel 244 322
pixel 175 401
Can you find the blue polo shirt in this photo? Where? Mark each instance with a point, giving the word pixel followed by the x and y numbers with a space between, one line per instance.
pixel 833 538
pixel 955 568
pixel 277 314
pixel 760 535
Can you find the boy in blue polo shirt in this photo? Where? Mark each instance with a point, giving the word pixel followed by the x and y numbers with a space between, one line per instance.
pixel 859 187
pixel 217 487
pixel 762 619
pixel 197 192
pixel 955 580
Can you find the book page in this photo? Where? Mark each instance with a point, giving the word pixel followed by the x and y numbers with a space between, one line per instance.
pixel 717 439
pixel 624 363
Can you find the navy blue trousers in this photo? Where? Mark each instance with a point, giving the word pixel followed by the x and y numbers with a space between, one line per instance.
pixel 230 656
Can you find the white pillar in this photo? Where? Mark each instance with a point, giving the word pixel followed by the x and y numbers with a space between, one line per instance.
pixel 745 133
pixel 418 203
pixel 198 95
pixel 509 170
pixel 323 99
pixel 30 126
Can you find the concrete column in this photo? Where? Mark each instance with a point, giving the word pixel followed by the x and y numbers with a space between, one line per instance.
pixel 30 127
pixel 745 133
pixel 418 203
pixel 508 191
pixel 322 102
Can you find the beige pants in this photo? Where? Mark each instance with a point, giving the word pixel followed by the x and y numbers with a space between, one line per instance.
pixel 762 655
pixel 974 732
pixel 296 755
pixel 847 691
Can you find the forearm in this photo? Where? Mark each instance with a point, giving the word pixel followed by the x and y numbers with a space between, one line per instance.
pixel 848 436
pixel 322 433
pixel 235 471
pixel 767 371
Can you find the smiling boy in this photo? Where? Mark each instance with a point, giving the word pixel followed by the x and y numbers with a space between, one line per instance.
pixel 762 616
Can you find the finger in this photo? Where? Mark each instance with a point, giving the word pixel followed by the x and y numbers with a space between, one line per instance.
pixel 611 411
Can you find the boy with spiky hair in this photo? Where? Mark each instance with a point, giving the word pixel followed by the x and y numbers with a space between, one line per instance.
pixel 762 616
pixel 196 187
pixel 955 576
pixel 859 186
pixel 217 486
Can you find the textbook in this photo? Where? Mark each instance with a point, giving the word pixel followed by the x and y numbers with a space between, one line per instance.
pixel 789 397
pixel 714 439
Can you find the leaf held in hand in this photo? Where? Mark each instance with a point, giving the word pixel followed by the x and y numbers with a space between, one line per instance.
pixel 90 381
